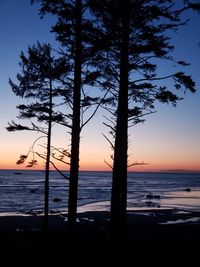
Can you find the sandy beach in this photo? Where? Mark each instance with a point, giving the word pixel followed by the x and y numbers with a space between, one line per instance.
pixel 149 231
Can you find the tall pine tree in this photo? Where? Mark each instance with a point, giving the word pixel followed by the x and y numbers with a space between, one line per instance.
pixel 41 82
pixel 134 35
pixel 75 32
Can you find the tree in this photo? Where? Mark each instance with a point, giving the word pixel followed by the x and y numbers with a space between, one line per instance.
pixel 40 80
pixel 135 34
pixel 75 32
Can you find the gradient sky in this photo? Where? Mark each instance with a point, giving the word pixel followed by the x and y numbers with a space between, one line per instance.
pixel 169 139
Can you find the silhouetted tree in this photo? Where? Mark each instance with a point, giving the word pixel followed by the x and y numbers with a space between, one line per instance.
pixel 75 32
pixel 134 35
pixel 41 80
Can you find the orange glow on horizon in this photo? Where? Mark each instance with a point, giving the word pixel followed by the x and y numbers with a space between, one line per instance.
pixel 93 160
pixel 103 167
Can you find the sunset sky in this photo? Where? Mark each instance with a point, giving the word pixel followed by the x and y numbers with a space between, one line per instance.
pixel 168 140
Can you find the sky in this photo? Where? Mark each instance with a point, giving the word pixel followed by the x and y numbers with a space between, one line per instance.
pixel 168 140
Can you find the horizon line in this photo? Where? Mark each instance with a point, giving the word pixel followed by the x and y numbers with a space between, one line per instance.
pixel 156 171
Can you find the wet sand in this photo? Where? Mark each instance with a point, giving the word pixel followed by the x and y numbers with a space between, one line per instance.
pixel 149 232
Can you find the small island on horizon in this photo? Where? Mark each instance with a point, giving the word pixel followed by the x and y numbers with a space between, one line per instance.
pixel 180 171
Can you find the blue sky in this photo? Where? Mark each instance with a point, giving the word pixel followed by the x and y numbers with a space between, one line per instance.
pixel 169 139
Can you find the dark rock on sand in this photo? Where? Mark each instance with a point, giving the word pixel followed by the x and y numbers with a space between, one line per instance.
pixel 188 189
pixel 150 196
pixel 56 199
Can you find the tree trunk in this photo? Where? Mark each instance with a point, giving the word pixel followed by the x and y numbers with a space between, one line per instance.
pixel 46 198
pixel 75 141
pixel 119 177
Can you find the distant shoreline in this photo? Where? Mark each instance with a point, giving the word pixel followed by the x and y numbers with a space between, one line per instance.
pixel 107 171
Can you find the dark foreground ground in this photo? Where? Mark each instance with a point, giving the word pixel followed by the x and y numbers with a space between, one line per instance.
pixel 149 240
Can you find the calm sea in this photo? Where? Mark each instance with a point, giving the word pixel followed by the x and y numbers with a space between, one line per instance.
pixel 23 191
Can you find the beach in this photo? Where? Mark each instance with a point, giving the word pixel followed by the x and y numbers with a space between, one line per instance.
pixel 149 231
pixel 163 220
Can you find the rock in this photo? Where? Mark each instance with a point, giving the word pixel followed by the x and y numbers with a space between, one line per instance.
pixel 150 196
pixel 187 189
pixel 33 190
pixel 56 199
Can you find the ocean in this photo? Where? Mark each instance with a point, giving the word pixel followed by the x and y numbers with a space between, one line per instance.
pixel 23 191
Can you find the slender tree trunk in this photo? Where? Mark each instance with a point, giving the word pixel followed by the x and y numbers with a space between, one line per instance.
pixel 75 141
pixel 46 200
pixel 119 177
